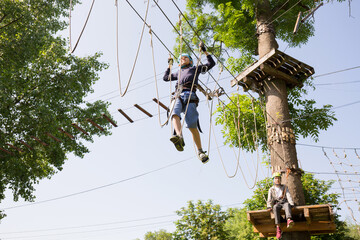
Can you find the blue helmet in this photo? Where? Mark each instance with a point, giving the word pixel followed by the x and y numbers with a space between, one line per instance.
pixel 186 55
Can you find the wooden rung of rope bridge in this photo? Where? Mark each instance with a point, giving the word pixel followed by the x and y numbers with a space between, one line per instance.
pixel 79 128
pixel 39 141
pixel 109 120
pixel 66 133
pixel 95 124
pixel 53 137
pixel 143 110
pixel 161 104
pixel 315 219
pixel 125 115
pixel 14 147
pixel 6 151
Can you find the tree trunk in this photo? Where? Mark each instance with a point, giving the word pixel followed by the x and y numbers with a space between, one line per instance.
pixel 283 153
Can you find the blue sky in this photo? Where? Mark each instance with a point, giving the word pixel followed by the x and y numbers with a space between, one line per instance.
pixel 139 157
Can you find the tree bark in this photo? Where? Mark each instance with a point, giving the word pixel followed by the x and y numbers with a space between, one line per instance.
pixel 283 153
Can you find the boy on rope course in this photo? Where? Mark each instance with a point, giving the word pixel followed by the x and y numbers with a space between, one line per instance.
pixel 186 100
pixel 279 198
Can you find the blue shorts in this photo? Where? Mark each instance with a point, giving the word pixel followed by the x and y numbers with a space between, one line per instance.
pixel 192 115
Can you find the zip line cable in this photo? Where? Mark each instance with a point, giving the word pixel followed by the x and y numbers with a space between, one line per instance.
pixel 316 146
pixel 137 13
pixel 105 224
pixel 221 79
pixel 90 225
pixel 100 187
pixel 90 231
pixel 137 52
pixel 284 12
pixel 72 50
pixel 336 83
pixel 317 112
pixel 330 73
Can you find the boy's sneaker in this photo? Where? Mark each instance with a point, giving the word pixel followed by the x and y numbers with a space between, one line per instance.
pixel 203 156
pixel 278 232
pixel 290 223
pixel 178 142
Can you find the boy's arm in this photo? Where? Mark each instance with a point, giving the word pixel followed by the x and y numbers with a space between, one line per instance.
pixel 269 199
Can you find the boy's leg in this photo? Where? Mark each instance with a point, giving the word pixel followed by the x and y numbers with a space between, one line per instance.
pixel 191 119
pixel 289 221
pixel 287 208
pixel 276 210
pixel 177 139
pixel 176 124
pixel 196 137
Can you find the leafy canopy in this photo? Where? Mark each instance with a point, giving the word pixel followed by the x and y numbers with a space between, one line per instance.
pixel 201 221
pixel 244 123
pixel 42 88
pixel 158 235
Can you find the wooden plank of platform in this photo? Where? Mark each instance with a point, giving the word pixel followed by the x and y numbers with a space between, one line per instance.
pixel 252 68
pixel 318 219
pixel 314 227
pixel 275 63
pixel 279 74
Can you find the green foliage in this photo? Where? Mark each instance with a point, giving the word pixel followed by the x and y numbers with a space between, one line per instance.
pixel 201 221
pixel 353 230
pixel 158 235
pixel 308 120
pixel 243 123
pixel 238 226
pixel 42 88
pixel 316 191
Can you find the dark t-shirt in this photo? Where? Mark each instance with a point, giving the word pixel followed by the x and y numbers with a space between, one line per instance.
pixel 187 75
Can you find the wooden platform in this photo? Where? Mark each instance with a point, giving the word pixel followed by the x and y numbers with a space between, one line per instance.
pixel 273 64
pixel 315 219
